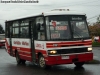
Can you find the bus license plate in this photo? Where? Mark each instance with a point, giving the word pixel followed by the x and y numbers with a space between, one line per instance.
pixel 65 57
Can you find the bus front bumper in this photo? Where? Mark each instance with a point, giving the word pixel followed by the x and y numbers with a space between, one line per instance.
pixel 69 59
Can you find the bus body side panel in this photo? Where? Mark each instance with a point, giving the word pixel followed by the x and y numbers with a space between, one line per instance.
pixel 24 49
pixel 7 46
pixel 22 46
pixel 40 47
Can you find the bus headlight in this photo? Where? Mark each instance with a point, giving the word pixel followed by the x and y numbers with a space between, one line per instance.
pixel 52 51
pixel 90 49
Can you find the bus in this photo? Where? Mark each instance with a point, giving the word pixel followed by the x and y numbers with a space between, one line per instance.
pixel 2 40
pixel 50 38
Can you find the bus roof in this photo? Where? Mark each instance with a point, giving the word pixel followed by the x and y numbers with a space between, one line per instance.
pixel 53 12
pixel 63 13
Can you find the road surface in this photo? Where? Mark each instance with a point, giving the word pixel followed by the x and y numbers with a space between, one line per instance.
pixel 8 67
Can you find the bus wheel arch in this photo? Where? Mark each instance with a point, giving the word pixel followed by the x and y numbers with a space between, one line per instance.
pixel 18 59
pixel 39 53
pixel 41 62
pixel 40 56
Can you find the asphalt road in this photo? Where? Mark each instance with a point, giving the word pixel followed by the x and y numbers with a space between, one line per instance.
pixel 8 67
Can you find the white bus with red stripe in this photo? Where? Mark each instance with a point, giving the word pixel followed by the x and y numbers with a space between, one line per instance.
pixel 51 38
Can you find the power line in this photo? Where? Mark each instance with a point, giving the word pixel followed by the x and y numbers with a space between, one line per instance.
pixel 93 17
pixel 80 3
pixel 90 5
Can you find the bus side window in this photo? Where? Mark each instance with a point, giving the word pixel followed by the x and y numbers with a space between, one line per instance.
pixel 41 36
pixel 40 26
pixel 24 32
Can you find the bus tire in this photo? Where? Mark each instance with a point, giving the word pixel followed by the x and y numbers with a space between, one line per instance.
pixel 18 58
pixel 79 64
pixel 42 63
pixel 23 61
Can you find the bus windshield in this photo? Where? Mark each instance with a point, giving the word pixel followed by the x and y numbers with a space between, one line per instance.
pixel 79 29
pixel 66 27
pixel 58 27
pixel 79 26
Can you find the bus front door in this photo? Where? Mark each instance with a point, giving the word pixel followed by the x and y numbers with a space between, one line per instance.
pixel 31 33
pixel 10 40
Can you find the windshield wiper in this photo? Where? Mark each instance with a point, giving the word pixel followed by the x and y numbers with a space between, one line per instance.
pixel 77 33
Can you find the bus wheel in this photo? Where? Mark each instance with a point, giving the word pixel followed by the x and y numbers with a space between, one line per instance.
pixel 23 61
pixel 41 61
pixel 18 58
pixel 79 64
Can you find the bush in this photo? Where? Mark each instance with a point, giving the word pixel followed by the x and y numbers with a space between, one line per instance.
pixel 96 44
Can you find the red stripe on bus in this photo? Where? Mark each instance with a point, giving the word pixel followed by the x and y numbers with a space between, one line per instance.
pixel 67 44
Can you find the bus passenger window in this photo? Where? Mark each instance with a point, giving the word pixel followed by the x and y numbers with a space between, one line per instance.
pixel 41 36
pixel 24 32
pixel 40 26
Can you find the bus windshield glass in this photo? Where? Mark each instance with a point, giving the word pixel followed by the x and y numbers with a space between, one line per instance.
pixel 79 27
pixel 58 27
pixel 64 27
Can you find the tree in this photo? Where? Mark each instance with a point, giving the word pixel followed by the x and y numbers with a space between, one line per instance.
pixel 1 29
pixel 95 28
pixel 98 19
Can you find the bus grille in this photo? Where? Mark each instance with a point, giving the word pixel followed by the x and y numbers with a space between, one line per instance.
pixel 74 50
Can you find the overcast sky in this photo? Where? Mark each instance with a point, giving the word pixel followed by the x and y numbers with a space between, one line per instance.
pixel 15 10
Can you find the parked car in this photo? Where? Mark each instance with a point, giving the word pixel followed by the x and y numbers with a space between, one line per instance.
pixel 2 40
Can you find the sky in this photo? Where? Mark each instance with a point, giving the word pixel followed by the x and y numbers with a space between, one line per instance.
pixel 16 10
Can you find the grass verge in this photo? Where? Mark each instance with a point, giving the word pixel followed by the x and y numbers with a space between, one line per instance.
pixel 96 44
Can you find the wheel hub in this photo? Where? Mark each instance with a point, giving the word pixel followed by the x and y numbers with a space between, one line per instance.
pixel 42 62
